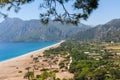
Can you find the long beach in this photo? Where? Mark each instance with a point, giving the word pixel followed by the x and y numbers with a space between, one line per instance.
pixel 9 69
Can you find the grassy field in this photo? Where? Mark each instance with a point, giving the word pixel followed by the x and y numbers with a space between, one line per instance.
pixel 115 47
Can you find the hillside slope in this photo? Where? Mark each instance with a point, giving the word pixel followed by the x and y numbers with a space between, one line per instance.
pixel 107 32
pixel 15 29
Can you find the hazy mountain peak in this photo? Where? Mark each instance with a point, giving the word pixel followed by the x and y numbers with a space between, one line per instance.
pixel 15 29
pixel 114 21
pixel 107 32
pixel 13 19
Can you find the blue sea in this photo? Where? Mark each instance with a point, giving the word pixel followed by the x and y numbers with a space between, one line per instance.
pixel 12 50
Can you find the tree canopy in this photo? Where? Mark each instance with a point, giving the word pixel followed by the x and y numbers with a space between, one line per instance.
pixel 83 8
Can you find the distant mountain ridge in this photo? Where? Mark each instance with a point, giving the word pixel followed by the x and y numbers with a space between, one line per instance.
pixel 17 30
pixel 107 32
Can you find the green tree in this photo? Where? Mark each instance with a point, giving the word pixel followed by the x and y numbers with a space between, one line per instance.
pixel 47 76
pixel 83 9
pixel 27 75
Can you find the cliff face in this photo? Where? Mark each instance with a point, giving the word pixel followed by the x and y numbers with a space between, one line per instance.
pixel 107 32
pixel 14 29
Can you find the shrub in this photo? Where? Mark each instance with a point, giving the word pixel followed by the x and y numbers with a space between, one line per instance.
pixel 19 71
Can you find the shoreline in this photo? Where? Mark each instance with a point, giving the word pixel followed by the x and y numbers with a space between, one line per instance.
pixel 32 52
pixel 9 69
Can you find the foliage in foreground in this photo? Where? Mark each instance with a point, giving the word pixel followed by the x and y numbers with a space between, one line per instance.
pixel 84 9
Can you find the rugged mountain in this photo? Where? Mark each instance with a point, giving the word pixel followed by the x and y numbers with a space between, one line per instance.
pixel 107 32
pixel 15 29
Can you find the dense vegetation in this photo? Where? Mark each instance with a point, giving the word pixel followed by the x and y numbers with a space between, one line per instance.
pixel 90 61
pixel 43 76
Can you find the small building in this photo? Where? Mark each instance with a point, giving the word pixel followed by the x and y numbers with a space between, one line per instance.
pixel 86 52
pixel 118 54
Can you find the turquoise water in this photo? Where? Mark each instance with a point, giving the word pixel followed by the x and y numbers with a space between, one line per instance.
pixel 12 50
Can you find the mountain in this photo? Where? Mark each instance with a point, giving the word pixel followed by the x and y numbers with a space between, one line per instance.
pixel 107 32
pixel 15 29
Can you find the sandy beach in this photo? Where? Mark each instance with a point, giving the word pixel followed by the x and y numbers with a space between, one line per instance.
pixel 9 69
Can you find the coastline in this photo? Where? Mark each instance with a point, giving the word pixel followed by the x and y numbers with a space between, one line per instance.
pixel 9 68
pixel 32 52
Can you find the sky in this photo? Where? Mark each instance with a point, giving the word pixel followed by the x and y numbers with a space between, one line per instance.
pixel 106 11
